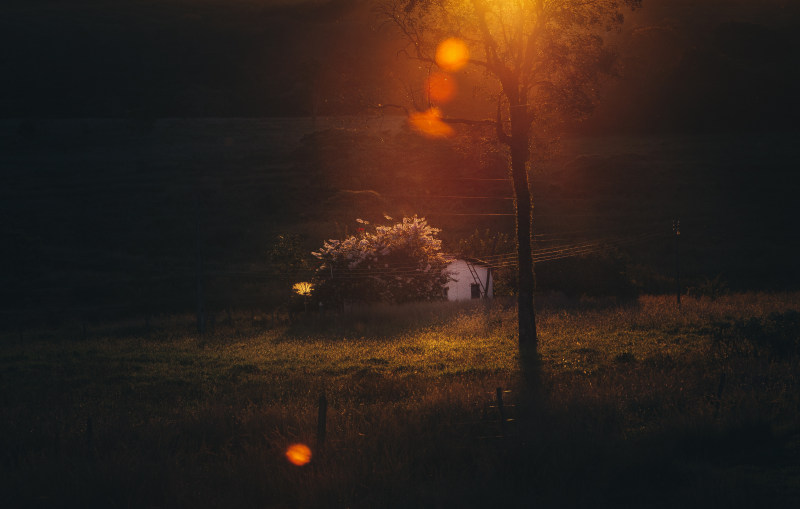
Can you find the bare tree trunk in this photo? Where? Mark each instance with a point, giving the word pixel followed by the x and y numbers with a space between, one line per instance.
pixel 528 340
pixel 527 319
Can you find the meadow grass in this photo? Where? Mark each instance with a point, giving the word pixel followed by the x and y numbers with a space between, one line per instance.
pixel 646 405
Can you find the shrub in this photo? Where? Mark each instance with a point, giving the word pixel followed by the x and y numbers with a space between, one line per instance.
pixel 711 288
pixel 598 275
pixel 398 263
pixel 777 335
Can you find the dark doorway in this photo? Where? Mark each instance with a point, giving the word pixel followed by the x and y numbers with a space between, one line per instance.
pixel 475 288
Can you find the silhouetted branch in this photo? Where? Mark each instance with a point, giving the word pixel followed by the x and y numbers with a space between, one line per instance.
pixel 387 106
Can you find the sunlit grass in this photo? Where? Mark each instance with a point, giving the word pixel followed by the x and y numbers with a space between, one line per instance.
pixel 179 420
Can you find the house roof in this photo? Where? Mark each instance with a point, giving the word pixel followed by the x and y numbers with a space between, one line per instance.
pixel 469 259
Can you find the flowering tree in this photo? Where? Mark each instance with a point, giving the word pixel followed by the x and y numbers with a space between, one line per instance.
pixel 398 263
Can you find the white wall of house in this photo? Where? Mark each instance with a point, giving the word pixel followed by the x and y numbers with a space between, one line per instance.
pixel 461 286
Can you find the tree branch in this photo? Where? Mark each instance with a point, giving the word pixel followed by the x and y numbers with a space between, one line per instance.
pixel 483 64
pixel 386 106
pixel 466 121
pixel 488 40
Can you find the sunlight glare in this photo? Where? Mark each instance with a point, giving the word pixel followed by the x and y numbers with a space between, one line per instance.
pixel 429 123
pixel 452 54
pixel 298 454
pixel 441 87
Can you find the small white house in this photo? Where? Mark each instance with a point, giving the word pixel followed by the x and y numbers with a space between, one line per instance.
pixel 469 279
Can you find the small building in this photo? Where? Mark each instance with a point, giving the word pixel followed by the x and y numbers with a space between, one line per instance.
pixel 469 279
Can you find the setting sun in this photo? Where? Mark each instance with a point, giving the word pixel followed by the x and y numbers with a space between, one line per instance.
pixel 452 54
pixel 298 454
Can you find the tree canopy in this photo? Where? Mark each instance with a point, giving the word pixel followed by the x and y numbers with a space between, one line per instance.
pixel 545 55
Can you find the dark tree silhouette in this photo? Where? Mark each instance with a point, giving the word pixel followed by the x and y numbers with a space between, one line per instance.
pixel 543 62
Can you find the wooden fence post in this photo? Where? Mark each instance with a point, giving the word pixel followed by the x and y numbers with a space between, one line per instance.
pixel 720 389
pixel 198 253
pixel 676 229
pixel 89 436
pixel 322 416
pixel 501 412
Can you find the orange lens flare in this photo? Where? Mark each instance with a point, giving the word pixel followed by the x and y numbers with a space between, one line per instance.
pixel 429 123
pixel 452 54
pixel 298 454
pixel 441 87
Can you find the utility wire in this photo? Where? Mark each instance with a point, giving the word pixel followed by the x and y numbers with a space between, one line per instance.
pixel 502 260
pixel 569 253
pixel 538 256
pixel 424 196
pixel 554 249
pixel 508 258
pixel 468 214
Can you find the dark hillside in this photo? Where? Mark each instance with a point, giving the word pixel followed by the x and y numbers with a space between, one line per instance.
pixel 107 214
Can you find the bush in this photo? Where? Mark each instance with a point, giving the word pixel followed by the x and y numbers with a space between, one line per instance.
pixel 711 288
pixel 599 275
pixel 777 335
pixel 398 263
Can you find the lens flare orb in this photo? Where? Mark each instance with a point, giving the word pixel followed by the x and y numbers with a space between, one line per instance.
pixel 298 454
pixel 429 123
pixel 441 87
pixel 452 54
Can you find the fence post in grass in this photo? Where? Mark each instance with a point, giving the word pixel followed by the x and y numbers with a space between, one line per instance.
pixel 676 228
pixel 720 388
pixel 501 412
pixel 322 416
pixel 201 319
pixel 89 433
pixel 57 441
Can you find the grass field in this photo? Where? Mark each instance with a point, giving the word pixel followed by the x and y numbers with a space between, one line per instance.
pixel 644 405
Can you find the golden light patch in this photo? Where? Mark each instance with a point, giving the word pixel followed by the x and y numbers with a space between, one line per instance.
pixel 303 288
pixel 441 87
pixel 298 454
pixel 429 123
pixel 452 54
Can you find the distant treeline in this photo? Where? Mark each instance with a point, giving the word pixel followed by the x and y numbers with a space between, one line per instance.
pixel 103 220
